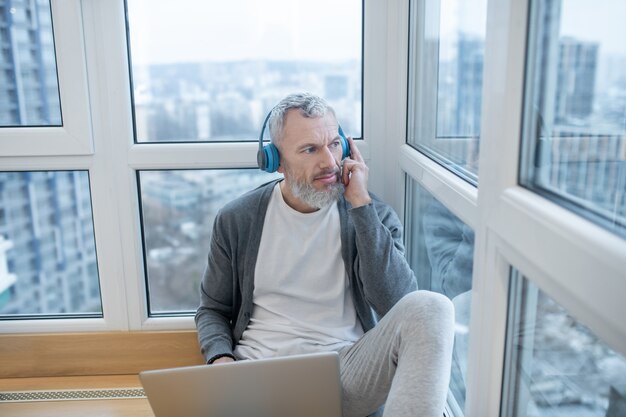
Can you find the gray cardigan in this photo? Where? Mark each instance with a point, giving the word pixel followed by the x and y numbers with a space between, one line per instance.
pixel 371 247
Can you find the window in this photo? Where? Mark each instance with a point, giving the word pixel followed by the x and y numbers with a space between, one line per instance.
pixel 574 127
pixel 445 82
pixel 158 73
pixel 27 47
pixel 209 80
pixel 39 247
pixel 178 210
pixel 211 71
pixel 446 49
pixel 441 253
pixel 44 100
pixel 556 365
pixel 577 265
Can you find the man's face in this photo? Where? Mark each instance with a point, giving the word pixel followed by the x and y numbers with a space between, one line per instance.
pixel 310 153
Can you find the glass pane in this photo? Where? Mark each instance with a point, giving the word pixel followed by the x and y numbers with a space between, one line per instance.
pixel 212 70
pixel 441 253
pixel 178 209
pixel 446 78
pixel 555 365
pixel 29 90
pixel 47 249
pixel 574 119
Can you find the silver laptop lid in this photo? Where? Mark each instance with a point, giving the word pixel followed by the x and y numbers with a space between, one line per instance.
pixel 293 386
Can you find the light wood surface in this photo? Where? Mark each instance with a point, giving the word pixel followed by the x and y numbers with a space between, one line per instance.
pixel 109 353
pixel 89 408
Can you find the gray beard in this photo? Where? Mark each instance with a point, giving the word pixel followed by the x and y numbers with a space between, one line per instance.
pixel 317 199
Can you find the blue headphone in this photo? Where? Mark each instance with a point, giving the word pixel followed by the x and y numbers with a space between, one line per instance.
pixel 268 158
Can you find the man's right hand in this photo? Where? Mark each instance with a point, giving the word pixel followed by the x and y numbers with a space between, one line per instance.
pixel 223 359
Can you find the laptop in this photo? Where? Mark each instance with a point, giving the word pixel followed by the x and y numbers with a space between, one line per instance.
pixel 292 386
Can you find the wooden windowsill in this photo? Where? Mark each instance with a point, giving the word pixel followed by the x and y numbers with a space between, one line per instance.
pixel 106 353
pixel 88 360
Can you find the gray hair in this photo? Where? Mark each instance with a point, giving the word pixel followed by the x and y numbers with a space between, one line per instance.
pixel 309 105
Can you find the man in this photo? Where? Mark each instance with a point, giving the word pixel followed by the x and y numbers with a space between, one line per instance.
pixel 310 262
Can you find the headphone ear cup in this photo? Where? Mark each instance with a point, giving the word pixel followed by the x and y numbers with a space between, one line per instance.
pixel 271 158
pixel 345 148
pixel 261 160
pixel 345 145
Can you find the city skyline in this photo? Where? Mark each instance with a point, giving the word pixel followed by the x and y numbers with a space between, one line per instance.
pixel 228 101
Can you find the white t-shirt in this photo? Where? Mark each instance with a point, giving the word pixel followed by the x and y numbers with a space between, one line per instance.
pixel 302 298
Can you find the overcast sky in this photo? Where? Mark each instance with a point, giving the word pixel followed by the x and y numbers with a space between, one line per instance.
pixel 165 31
pixel 601 21
pixel 200 30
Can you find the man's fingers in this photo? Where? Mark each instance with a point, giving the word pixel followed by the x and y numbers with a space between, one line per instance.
pixel 345 171
pixel 354 151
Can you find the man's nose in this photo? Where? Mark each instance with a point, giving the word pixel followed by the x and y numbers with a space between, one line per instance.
pixel 328 159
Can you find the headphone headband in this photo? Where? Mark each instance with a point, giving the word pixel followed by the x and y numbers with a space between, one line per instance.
pixel 261 157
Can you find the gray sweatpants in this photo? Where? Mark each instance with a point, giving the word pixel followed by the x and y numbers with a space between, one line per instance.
pixel 404 362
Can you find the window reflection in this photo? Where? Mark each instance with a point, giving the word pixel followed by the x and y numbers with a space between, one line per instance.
pixel 441 253
pixel 556 366
pixel 574 121
pixel 460 70
pixel 445 82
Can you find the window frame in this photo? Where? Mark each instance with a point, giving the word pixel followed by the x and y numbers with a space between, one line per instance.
pixel 74 137
pixel 531 145
pixel 513 226
pixel 423 89
pixel 164 156
pixel 100 29
pixel 254 138
pixel 577 263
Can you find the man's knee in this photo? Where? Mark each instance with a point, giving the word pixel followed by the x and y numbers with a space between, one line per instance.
pixel 427 309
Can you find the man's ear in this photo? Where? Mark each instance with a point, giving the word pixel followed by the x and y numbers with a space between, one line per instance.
pixel 280 169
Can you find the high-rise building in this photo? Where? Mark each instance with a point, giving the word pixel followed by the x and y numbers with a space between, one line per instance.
pixel 29 94
pixel 470 58
pixel 6 278
pixel 590 167
pixel 46 217
pixel 576 80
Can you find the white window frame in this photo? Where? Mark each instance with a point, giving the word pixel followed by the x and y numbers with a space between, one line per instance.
pixel 424 50
pixel 99 27
pixel 75 136
pixel 552 247
pixel 134 157
pixel 577 263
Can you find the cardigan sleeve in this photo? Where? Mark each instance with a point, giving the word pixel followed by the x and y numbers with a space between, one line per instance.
pixel 380 262
pixel 227 285
pixel 214 316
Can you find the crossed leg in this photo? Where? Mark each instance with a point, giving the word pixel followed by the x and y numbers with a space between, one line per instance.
pixel 404 362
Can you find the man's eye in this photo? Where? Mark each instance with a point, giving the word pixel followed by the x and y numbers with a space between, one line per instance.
pixel 308 150
pixel 335 144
